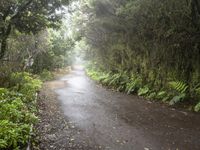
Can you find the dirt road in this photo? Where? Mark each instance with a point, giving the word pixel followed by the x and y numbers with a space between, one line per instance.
pixel 110 120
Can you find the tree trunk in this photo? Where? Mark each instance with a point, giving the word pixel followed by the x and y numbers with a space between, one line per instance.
pixel 4 41
pixel 3 47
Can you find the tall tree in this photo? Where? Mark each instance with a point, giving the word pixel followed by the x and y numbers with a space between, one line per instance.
pixel 28 16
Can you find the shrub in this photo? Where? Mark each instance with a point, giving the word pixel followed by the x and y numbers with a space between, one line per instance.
pixel 179 86
pixel 197 107
pixel 143 91
pixel 13 135
pixel 197 92
pixel 181 91
pixel 17 105
pixel 133 84
pixel 25 84
pixel 46 75
pixel 163 95
pixel 177 92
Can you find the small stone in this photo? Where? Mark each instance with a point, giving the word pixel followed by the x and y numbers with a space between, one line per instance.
pixel 51 137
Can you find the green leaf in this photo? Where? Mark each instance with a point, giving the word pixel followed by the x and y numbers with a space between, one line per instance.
pixel 197 107
pixel 177 99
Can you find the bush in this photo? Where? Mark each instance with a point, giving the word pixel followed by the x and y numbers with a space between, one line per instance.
pixel 17 105
pixel 46 75
pixel 143 91
pixel 179 90
pixel 133 85
pixel 197 107
pixel 13 135
pixel 176 92
pixel 25 84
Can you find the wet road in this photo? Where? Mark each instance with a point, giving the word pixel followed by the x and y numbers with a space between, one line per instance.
pixel 117 121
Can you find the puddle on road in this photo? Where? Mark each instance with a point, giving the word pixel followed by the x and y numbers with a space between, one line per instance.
pixel 56 84
pixel 77 82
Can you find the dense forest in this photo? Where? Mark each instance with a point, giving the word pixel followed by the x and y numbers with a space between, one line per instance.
pixel 145 47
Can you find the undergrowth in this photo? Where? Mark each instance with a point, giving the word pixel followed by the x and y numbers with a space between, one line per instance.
pixel 46 75
pixel 18 107
pixel 175 92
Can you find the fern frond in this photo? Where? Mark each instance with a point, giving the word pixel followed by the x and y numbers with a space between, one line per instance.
pixel 179 86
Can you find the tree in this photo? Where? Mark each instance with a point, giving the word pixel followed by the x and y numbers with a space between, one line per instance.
pixel 28 16
pixel 58 52
pixel 157 40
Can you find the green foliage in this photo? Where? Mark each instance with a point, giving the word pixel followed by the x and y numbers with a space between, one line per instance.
pixel 197 107
pixel 95 75
pixel 12 135
pixel 104 78
pixel 143 91
pixel 15 110
pixel 155 40
pixel 117 80
pixel 3 93
pixel 152 95
pixel 58 54
pixel 197 91
pixel 46 75
pixel 181 90
pixel 177 99
pixel 179 86
pixel 18 107
pixel 28 17
pixel 25 84
pixel 122 81
pixel 133 84
pixel 162 95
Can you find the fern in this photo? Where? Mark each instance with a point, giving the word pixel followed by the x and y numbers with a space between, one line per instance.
pixel 197 107
pixel 133 85
pixel 177 99
pixel 179 86
pixel 103 77
pixel 115 79
pixel 197 91
pixel 162 95
pixel 152 95
pixel 143 91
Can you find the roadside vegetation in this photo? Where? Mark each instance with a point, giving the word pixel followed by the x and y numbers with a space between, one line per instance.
pixel 145 47
pixel 148 47
pixel 32 45
pixel 18 108
pixel 173 93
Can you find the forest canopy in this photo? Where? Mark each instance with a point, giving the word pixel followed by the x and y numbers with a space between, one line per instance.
pixel 28 16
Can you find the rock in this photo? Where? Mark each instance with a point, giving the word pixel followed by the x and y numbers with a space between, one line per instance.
pixel 51 137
